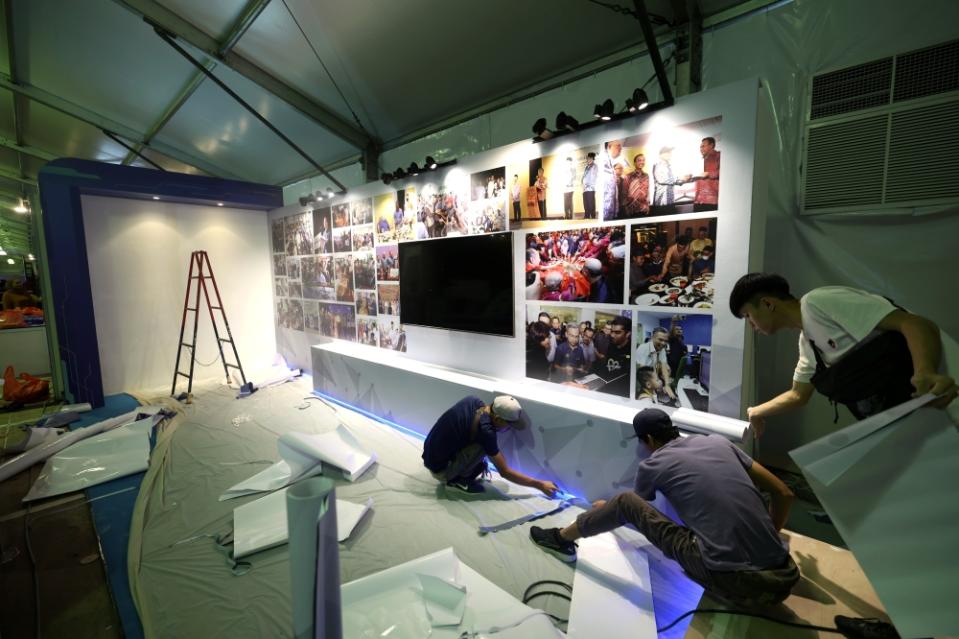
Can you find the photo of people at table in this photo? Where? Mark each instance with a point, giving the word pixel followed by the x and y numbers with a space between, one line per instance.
pixel 362 211
pixel 338 320
pixel 318 282
pixel 580 347
pixel 322 231
pixel 390 218
pixel 343 278
pixel 364 270
pixel 298 230
pixel 576 265
pixel 289 314
pixel 363 238
pixel 673 263
pixel 366 331
pixel 673 358
pixel 387 263
pixel 441 211
pixel 366 303
pixel 392 333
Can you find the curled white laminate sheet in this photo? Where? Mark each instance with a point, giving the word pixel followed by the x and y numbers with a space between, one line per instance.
pixel 700 422
pixel 119 452
pixel 261 524
pixel 34 455
pixel 304 455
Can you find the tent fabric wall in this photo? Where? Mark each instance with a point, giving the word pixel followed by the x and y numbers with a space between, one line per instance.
pixel 899 253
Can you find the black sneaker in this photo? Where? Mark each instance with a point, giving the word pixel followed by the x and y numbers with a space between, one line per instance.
pixel 549 540
pixel 865 628
pixel 469 486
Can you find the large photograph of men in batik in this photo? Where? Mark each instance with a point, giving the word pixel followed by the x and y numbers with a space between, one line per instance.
pixel 673 263
pixel 580 347
pixel 576 265
pixel 673 358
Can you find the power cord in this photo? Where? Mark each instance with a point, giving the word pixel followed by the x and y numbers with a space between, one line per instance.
pixel 851 628
pixel 527 597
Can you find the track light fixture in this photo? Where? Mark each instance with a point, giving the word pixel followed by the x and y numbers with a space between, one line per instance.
pixel 413 169
pixel 21 208
pixel 606 110
pixel 386 177
pixel 330 194
pixel 307 199
pixel 399 173
pixel 540 131
pixel 638 101
pixel 430 163
pixel 566 122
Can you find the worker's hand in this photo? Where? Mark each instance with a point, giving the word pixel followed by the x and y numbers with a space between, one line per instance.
pixel 669 391
pixel 941 385
pixel 548 487
pixel 599 503
pixel 756 422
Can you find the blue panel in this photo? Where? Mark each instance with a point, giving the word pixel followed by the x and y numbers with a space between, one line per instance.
pixel 62 182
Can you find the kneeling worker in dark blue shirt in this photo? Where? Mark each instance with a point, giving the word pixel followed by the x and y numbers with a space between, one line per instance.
pixel 730 544
pixel 463 437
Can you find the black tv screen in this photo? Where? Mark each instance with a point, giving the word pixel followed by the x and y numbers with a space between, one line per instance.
pixel 458 283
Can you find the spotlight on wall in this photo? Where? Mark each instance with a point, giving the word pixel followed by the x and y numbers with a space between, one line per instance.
pixel 430 162
pixel 21 208
pixel 638 101
pixel 566 122
pixel 413 169
pixel 540 130
pixel 386 177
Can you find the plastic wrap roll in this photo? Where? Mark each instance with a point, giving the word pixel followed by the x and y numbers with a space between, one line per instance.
pixel 314 559
pixel 700 422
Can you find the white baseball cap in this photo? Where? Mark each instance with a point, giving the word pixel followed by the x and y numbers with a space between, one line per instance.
pixel 509 410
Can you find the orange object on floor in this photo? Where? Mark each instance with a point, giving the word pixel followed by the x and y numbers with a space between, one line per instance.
pixel 24 390
pixel 12 319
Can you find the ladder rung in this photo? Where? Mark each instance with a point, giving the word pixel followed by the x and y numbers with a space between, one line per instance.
pixel 187 345
pixel 229 341
pixel 200 277
pixel 232 366
pixel 190 309
pixel 218 308
pixel 184 374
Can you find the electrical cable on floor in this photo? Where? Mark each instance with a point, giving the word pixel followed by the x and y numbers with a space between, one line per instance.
pixel 527 597
pixel 744 613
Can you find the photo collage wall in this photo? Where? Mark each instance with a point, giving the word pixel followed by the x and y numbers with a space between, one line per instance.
pixel 618 274
pixel 619 242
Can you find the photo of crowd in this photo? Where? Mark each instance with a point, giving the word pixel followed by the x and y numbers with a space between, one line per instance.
pixel 289 314
pixel 366 331
pixel 362 211
pixel 439 213
pixel 317 274
pixel 299 234
pixel 279 265
pixel 322 231
pixel 388 296
pixel 673 263
pixel 488 185
pixel 387 264
pixel 576 265
pixel 295 289
pixel 280 288
pixel 363 238
pixel 673 359
pixel 342 240
pixel 390 221
pixel 338 320
pixel 343 278
pixel 364 270
pixel 311 316
pixel 293 268
pixel 341 215
pixel 276 226
pixel 366 303
pixel 580 347
pixel 392 334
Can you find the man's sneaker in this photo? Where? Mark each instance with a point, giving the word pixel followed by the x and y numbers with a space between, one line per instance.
pixel 865 628
pixel 549 540
pixel 469 486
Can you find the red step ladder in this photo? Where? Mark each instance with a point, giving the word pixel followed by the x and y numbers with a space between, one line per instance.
pixel 201 271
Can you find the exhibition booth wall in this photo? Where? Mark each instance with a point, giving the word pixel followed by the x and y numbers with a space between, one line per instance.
pixel 336 263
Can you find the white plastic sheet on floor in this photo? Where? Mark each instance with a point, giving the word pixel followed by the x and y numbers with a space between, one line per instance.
pixel 305 455
pixel 612 577
pixel 394 603
pixel 890 491
pixel 122 451
pixel 261 523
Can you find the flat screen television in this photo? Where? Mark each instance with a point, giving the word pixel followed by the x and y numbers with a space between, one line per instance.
pixel 458 283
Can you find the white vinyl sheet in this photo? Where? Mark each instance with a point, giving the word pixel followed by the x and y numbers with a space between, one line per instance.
pixel 261 523
pixel 304 455
pixel 891 495
pixel 700 422
pixel 117 453
pixel 612 591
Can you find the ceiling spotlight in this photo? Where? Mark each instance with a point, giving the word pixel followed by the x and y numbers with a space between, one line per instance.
pixel 639 101
pixel 219 203
pixel 329 193
pixel 566 122
pixel 430 162
pixel 10 260
pixel 606 110
pixel 597 111
pixel 540 130
pixel 386 177
pixel 304 200
pixel 156 197
pixel 2 252
pixel 413 169
pixel 21 208
pixel 399 174
pixel 30 257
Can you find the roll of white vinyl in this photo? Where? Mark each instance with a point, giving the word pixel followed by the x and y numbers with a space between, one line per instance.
pixel 700 422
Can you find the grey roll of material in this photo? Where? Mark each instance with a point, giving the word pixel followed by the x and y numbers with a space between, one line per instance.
pixel 314 559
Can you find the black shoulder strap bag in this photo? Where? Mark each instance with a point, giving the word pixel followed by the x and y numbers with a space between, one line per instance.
pixel 873 376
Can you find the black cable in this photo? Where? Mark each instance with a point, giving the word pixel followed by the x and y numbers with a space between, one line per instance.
pixel 747 614
pixel 654 18
pixel 528 597
pixel 546 581
pixel 328 74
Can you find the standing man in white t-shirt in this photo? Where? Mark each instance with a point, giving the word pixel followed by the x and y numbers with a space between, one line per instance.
pixel 835 320
pixel 653 354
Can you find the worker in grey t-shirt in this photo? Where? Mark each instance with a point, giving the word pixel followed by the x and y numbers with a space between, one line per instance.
pixel 730 542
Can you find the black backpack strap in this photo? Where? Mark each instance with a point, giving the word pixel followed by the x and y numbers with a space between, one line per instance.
pixel 820 364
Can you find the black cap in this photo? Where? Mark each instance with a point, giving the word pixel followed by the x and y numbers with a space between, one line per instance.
pixel 651 421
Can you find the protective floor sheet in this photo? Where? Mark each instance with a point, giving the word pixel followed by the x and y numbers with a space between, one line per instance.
pixel 182 583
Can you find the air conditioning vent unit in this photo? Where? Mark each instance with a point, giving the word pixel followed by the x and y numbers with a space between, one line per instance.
pixel 884 134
